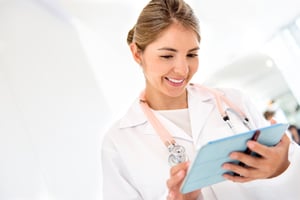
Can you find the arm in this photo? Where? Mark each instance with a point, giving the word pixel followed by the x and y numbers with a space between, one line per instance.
pixel 116 179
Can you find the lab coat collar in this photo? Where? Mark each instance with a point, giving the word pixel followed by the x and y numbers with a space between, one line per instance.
pixel 200 106
pixel 134 116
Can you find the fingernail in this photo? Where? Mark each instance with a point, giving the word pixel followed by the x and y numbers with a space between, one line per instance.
pixel 226 176
pixel 233 156
pixel 251 144
pixel 180 173
pixel 171 195
pixel 188 163
pixel 225 166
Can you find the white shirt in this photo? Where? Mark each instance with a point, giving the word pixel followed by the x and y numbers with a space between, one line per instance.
pixel 135 162
pixel 180 117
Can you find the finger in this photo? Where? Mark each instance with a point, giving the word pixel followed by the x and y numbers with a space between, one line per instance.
pixel 181 166
pixel 258 148
pixel 264 150
pixel 177 174
pixel 285 141
pixel 171 196
pixel 246 159
pixel 246 172
pixel 239 179
pixel 175 180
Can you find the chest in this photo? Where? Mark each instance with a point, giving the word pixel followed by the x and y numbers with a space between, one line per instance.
pixel 216 128
pixel 146 157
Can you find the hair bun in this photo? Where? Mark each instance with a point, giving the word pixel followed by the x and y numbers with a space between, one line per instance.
pixel 130 36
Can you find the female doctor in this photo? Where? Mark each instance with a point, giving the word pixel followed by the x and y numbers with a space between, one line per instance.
pixel 170 113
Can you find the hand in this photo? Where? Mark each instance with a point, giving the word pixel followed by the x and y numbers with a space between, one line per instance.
pixel 177 174
pixel 272 161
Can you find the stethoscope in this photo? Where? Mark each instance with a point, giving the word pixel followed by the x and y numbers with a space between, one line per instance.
pixel 177 152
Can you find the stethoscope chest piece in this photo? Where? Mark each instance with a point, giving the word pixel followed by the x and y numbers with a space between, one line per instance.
pixel 177 154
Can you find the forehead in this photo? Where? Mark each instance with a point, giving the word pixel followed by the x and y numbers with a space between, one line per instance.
pixel 176 35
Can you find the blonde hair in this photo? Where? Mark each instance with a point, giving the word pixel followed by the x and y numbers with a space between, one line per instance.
pixel 159 15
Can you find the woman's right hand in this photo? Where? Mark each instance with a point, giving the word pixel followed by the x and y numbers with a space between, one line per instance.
pixel 177 174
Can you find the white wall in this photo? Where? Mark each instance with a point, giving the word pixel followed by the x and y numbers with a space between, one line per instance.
pixel 286 53
pixel 52 113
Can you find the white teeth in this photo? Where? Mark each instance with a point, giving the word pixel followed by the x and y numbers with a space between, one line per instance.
pixel 175 80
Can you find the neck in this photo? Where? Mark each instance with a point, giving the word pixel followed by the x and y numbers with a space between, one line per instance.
pixel 163 102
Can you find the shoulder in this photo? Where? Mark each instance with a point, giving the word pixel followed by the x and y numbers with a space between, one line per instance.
pixel 110 135
pixel 133 118
pixel 233 94
pixel 206 92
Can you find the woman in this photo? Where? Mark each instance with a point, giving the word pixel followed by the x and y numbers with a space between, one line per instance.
pixel 165 43
pixel 294 133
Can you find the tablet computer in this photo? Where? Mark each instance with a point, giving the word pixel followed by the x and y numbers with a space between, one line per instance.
pixel 206 168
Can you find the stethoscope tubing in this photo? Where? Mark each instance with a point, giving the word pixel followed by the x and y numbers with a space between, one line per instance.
pixel 177 152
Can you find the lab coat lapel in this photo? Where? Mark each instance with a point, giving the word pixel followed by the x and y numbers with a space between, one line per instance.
pixel 135 117
pixel 200 106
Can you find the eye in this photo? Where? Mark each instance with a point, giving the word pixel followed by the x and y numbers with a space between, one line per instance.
pixel 166 56
pixel 192 55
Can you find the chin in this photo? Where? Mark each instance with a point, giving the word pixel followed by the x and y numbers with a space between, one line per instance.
pixel 176 93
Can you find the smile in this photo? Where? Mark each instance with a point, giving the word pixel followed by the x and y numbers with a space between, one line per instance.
pixel 175 81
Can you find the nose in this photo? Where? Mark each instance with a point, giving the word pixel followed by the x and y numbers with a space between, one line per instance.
pixel 181 66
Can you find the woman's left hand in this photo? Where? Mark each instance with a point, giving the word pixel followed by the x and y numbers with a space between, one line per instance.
pixel 177 174
pixel 272 162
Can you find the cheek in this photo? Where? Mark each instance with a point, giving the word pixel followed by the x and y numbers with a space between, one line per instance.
pixel 194 67
pixel 152 71
pixel 157 67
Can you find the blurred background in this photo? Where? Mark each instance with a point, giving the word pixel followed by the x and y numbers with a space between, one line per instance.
pixel 66 74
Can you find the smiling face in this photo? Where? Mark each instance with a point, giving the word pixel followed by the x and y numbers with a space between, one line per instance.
pixel 168 64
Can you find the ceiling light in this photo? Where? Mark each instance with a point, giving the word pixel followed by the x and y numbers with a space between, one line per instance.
pixel 269 63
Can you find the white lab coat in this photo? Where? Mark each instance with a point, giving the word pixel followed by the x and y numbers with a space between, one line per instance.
pixel 135 162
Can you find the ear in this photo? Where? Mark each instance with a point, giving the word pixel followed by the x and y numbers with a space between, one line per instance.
pixel 136 53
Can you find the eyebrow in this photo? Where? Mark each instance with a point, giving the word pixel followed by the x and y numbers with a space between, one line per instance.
pixel 174 50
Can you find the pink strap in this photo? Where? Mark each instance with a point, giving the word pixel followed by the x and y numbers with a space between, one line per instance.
pixel 163 133
pixel 219 96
